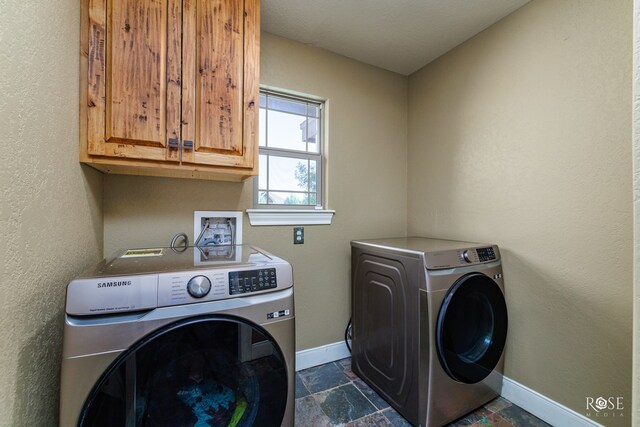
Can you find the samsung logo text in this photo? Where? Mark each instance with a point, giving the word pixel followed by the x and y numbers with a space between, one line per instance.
pixel 114 284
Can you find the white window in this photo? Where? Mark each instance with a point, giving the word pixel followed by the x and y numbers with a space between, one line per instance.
pixel 291 145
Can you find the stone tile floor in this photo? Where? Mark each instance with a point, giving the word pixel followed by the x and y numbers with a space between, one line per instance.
pixel 332 395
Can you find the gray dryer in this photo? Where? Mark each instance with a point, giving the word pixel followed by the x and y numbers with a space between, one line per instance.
pixel 429 325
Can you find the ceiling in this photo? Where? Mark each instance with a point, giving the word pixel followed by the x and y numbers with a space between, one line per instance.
pixel 397 35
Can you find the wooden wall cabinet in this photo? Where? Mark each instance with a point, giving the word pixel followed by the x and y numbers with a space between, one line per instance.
pixel 170 87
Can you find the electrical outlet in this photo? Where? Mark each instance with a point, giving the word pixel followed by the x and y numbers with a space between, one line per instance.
pixel 298 235
pixel 216 228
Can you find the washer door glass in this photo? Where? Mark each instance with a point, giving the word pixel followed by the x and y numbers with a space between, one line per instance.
pixel 205 371
pixel 472 328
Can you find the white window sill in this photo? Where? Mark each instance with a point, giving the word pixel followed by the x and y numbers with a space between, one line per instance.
pixel 290 216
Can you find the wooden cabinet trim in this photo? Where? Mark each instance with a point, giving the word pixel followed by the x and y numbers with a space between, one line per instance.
pixel 174 73
pixel 96 51
pixel 189 12
pixel 251 81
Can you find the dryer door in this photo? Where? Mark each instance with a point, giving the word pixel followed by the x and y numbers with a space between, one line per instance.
pixel 201 371
pixel 472 328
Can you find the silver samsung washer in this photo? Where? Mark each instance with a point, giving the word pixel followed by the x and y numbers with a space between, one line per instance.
pixel 429 325
pixel 164 337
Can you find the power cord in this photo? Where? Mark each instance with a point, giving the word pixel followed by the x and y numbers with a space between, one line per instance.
pixel 175 240
pixel 348 335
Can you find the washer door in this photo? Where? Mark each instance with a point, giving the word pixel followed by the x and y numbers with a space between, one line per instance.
pixel 201 371
pixel 472 328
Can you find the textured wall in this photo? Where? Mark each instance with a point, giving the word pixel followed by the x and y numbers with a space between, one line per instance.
pixel 521 136
pixel 367 137
pixel 50 206
pixel 636 213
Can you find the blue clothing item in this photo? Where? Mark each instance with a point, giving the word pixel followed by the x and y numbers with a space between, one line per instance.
pixel 212 403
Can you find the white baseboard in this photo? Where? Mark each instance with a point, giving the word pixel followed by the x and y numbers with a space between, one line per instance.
pixel 321 355
pixel 530 400
pixel 542 407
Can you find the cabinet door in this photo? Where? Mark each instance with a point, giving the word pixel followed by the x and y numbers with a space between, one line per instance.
pixel 220 82
pixel 134 55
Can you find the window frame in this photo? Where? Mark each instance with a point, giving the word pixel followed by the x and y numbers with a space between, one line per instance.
pixel 296 154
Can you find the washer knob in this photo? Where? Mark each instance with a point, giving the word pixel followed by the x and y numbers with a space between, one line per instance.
pixel 467 256
pixel 199 286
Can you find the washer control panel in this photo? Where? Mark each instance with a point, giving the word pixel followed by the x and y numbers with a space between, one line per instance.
pixel 241 282
pixel 217 284
pixel 172 279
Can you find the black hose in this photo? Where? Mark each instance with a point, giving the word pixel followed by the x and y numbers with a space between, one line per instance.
pixel 347 335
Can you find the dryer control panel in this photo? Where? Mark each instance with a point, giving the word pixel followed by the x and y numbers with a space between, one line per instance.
pixel 475 255
pixel 461 257
pixel 486 254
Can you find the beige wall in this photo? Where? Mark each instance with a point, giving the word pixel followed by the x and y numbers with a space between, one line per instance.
pixel 50 206
pixel 636 213
pixel 367 123
pixel 521 136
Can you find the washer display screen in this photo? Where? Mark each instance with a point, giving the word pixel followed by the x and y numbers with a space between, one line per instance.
pixel 241 282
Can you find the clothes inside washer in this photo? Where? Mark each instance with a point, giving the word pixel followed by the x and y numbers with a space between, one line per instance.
pixel 213 403
pixel 221 397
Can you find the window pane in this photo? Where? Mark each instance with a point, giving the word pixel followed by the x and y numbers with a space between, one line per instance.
pixel 287 105
pixel 312 134
pixel 263 100
pixel 313 199
pixel 286 131
pixel 313 110
pixel 313 179
pixel 262 130
pixel 284 198
pixel 287 174
pixel 262 171
pixel 262 197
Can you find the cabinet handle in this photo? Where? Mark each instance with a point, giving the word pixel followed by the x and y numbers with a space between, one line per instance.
pixel 174 143
pixel 188 144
